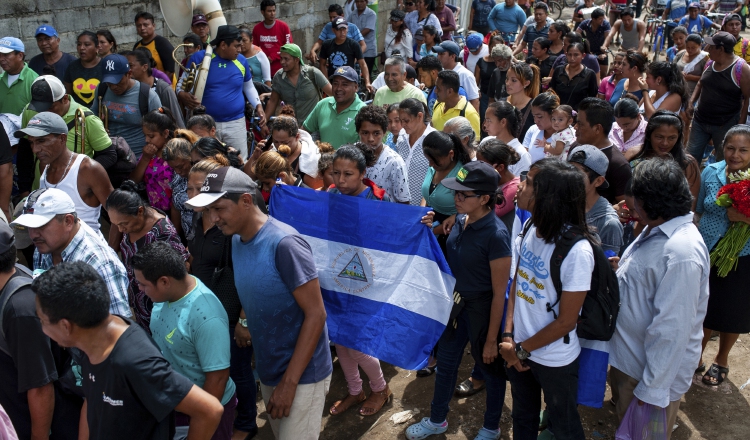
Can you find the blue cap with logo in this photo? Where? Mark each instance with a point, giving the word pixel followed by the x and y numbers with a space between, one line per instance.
pixel 115 66
pixel 47 30
pixel 346 72
pixel 474 41
pixel 10 44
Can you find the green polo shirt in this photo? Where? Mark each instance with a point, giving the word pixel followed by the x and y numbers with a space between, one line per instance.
pixel 95 139
pixel 335 128
pixel 14 98
pixel 305 94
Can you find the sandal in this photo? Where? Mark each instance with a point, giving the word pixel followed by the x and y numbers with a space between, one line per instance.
pixel 466 388
pixel 701 368
pixel 426 371
pixel 346 403
pixel 375 402
pixel 486 434
pixel 717 373
pixel 423 429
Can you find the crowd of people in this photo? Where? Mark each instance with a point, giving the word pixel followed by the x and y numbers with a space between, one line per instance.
pixel 521 138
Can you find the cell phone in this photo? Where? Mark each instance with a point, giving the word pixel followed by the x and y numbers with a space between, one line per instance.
pixel 269 143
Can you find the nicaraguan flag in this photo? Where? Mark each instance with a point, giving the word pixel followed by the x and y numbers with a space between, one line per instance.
pixel 387 288
pixel 592 372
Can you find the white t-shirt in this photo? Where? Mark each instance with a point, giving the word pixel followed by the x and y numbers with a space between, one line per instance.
pixel 522 165
pixel 534 289
pixel 471 60
pixel 389 173
pixel 567 136
pixel 529 141
pixel 468 82
pixel 12 78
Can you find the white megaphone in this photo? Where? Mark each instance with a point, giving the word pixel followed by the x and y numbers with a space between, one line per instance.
pixel 179 17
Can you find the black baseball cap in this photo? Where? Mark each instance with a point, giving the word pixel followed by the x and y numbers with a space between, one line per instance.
pixel 474 176
pixel 226 32
pixel 721 39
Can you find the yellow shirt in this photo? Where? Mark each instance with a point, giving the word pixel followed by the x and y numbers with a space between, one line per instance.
pixel 440 116
pixel 738 49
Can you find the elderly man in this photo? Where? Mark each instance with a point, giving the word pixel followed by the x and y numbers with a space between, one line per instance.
pixel 396 88
pixel 333 117
pixel 663 277
pixel 49 218
pixel 448 53
pixel 296 84
pixel 17 76
pixel 502 55
pixel 51 57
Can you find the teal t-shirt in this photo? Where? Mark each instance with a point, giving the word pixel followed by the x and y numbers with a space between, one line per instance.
pixel 441 199
pixel 192 335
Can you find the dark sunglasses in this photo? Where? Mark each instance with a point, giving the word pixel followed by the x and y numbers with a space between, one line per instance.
pixel 523 175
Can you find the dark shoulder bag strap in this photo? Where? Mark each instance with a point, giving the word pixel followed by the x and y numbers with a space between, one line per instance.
pixel 563 245
pixel 143 98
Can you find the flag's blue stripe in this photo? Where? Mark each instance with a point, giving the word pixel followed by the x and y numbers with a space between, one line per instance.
pixel 592 377
pixel 389 227
pixel 382 330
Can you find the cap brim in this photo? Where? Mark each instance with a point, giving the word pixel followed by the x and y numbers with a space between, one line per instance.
pixel 39 106
pixel 452 183
pixel 439 49
pixel 112 78
pixel 200 22
pixel 30 132
pixel 204 199
pixel 32 220
pixel 5 50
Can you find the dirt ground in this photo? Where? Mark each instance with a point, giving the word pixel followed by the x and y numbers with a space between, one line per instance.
pixel 721 413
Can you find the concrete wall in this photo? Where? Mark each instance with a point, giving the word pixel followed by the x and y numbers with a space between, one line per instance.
pixel 20 18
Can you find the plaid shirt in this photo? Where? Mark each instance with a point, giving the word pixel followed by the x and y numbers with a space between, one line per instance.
pixel 90 247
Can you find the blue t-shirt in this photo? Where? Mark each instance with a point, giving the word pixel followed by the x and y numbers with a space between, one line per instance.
pixel 677 8
pixel 192 335
pixel 267 269
pixel 431 97
pixel 696 26
pixel 351 32
pixel 506 19
pixel 223 97
pixel 482 11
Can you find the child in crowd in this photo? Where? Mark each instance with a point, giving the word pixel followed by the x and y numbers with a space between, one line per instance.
pixel 394 126
pixel 563 118
pixel 325 164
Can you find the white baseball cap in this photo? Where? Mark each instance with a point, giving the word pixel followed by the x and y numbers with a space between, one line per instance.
pixel 43 205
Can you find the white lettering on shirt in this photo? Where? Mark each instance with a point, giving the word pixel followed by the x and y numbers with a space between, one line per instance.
pixel 268 39
pixel 111 401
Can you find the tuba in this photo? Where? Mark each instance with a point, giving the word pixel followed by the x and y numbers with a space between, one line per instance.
pixel 179 16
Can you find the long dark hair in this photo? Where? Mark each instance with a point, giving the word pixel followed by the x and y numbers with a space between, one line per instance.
pixel 109 37
pixel 504 110
pixel 439 144
pixel 559 199
pixel 672 76
pixel 126 200
pixel 209 146
pixel 660 119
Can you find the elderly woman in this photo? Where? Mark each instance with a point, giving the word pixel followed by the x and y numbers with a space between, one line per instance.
pixel 729 304
pixel 501 56
pixel 461 127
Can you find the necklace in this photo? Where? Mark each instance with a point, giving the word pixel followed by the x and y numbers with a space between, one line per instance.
pixel 65 172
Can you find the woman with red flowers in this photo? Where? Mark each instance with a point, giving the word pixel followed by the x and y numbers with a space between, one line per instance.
pixel 729 304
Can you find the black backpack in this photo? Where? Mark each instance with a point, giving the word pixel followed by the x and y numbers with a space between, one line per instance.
pixel 602 304
pixel 14 285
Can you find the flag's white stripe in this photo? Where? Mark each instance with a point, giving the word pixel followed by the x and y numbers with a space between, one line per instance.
pixel 421 287
pixel 594 345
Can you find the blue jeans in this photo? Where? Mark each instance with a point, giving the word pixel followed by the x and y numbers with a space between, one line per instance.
pixel 700 134
pixel 449 355
pixel 241 372
pixel 560 386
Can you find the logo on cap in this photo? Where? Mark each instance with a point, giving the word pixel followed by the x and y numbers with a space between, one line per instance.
pixel 34 122
pixel 110 65
pixel 462 173
pixel 5 43
pixel 341 70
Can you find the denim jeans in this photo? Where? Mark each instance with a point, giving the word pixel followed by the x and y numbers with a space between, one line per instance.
pixel 241 372
pixel 560 386
pixel 700 134
pixel 449 355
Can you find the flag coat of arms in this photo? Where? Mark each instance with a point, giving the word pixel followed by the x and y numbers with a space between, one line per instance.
pixel 387 288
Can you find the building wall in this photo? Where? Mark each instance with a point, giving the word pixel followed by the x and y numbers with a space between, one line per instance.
pixel 20 18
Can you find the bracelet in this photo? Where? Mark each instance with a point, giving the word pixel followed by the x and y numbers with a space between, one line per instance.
pixel 506 335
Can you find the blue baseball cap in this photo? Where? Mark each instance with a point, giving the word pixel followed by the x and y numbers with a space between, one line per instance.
pixel 9 44
pixel 474 41
pixel 47 30
pixel 346 72
pixel 448 46
pixel 115 66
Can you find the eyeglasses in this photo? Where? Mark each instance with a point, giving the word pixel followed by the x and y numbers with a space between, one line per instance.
pixel 523 175
pixel 462 196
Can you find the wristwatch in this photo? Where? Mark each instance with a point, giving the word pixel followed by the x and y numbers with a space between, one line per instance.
pixel 243 322
pixel 521 353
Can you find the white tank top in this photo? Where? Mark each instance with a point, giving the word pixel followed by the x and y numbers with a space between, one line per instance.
pixel 69 185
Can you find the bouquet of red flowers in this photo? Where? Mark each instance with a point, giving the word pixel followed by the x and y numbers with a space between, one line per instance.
pixel 736 194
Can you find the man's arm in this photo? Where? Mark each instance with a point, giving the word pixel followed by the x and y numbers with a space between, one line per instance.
pixel 41 406
pixel 205 413
pixel 365 75
pixel 608 40
pixel 310 300
pixel 520 37
pixel 273 101
pixel 96 181
pixel 745 87
pixel 216 382
pixel 313 54
pixel 164 49
pixel 641 35
pixel 362 45
pixel 6 187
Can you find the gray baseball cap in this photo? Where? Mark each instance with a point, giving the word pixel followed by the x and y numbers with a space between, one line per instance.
pixel 594 159
pixel 7 238
pixel 225 180
pixel 42 124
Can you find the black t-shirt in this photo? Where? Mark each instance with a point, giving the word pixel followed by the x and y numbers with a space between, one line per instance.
pixel 346 54
pixel 83 81
pixel 496 88
pixel 618 174
pixel 37 64
pixel 6 152
pixel 207 249
pixel 132 393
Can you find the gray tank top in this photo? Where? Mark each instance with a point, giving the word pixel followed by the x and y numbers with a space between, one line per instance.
pixel 629 38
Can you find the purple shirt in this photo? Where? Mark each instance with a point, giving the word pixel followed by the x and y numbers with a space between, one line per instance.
pixel 446 18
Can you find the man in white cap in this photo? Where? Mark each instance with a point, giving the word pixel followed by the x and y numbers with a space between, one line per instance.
pixel 16 79
pixel 274 264
pixel 82 179
pixel 50 220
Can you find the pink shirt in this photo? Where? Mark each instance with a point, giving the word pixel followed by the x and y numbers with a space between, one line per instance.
pixel 607 86
pixel 509 194
pixel 616 136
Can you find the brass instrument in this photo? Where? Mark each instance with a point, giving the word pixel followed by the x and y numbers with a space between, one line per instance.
pixel 179 16
pixel 104 114
pixel 80 129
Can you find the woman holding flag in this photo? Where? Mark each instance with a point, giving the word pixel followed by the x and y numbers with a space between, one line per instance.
pixel 479 255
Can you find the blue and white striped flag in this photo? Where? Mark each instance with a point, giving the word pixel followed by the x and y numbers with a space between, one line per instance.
pixel 387 288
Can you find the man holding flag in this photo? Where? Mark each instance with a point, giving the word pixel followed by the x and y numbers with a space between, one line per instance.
pixel 277 281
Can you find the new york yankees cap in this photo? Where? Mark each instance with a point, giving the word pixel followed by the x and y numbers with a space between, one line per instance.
pixel 115 66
